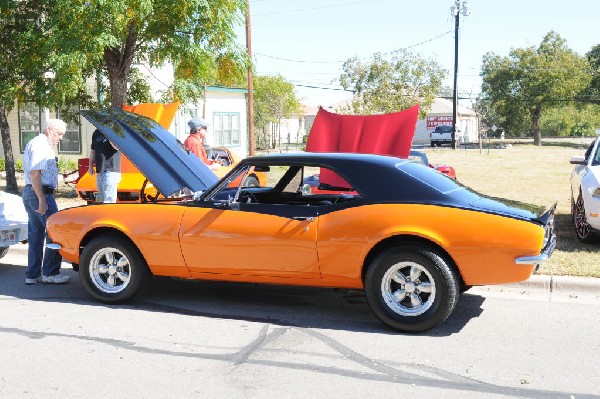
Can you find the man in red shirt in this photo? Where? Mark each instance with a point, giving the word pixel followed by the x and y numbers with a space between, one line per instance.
pixel 195 141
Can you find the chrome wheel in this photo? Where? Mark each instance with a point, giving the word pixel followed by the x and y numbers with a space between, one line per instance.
pixel 411 287
pixel 110 270
pixel 408 289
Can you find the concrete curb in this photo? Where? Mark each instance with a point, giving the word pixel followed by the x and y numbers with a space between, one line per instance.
pixel 538 283
pixel 559 284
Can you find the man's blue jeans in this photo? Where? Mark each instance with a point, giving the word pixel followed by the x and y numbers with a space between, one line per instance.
pixel 107 183
pixel 39 260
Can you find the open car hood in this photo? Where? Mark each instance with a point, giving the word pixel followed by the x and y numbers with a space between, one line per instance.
pixel 153 150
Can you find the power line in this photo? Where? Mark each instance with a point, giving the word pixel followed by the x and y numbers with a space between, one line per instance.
pixel 418 44
pixel 317 8
pixel 323 88
pixel 342 61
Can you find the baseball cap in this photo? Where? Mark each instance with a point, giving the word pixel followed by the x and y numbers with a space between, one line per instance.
pixel 197 122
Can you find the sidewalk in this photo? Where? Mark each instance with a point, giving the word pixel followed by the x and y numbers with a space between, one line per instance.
pixel 566 285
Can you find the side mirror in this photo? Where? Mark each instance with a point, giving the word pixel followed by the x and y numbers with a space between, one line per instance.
pixel 578 160
pixel 306 189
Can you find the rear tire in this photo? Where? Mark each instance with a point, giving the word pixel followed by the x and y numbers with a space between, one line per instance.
pixel 585 232
pixel 112 270
pixel 411 288
pixel 3 252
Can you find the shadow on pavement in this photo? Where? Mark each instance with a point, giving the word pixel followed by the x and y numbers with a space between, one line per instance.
pixel 336 309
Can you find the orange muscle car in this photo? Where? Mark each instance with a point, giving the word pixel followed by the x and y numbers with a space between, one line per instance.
pixel 412 244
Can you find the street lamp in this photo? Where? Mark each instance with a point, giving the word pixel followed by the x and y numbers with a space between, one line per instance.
pixel 456 9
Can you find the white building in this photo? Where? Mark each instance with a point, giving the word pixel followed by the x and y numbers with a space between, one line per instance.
pixel 292 130
pixel 467 124
pixel 224 108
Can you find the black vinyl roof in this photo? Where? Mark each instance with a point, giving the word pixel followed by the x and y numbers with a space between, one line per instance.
pixel 387 179
pixel 379 178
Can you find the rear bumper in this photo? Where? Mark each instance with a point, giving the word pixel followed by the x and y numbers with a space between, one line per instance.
pixel 542 257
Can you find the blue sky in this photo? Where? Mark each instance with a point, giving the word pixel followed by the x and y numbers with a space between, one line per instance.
pixel 308 41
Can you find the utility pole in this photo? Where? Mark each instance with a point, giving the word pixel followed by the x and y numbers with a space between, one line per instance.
pixel 456 10
pixel 251 142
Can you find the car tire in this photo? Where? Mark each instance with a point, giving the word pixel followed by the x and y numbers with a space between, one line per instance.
pixel 112 270
pixel 411 288
pixel 572 209
pixel 585 232
pixel 3 252
pixel 251 181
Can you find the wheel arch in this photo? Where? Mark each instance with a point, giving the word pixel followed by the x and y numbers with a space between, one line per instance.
pixel 393 241
pixel 90 235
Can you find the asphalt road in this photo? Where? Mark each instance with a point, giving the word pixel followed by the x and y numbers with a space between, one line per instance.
pixel 220 340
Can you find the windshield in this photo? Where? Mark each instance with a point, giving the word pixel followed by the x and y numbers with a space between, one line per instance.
pixel 443 129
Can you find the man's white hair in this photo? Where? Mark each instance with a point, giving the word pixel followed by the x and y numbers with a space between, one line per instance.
pixel 58 124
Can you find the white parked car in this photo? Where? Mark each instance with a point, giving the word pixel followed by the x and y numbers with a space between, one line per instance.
pixel 13 221
pixel 585 193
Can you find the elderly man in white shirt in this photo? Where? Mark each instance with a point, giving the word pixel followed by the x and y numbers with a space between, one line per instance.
pixel 41 177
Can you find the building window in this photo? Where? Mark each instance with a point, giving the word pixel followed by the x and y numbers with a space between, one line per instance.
pixel 226 128
pixel 71 141
pixel 30 123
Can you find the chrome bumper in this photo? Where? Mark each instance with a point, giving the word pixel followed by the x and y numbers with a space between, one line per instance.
pixel 536 260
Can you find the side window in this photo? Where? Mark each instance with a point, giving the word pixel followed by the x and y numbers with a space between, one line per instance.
pixel 596 159
pixel 326 181
pixel 295 182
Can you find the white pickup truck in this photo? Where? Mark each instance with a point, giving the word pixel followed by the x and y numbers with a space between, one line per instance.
pixel 442 134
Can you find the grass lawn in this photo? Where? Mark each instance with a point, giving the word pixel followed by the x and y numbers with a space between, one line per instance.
pixel 538 175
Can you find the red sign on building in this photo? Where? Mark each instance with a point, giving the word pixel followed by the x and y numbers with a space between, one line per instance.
pixel 433 121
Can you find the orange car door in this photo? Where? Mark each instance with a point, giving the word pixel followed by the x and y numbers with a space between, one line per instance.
pixel 257 239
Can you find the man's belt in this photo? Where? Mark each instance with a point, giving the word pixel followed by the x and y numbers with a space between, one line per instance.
pixel 46 189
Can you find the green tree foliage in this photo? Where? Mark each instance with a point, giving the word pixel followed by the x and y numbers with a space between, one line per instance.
pixel 274 100
pixel 521 86
pixel 571 120
pixel 53 48
pixel 139 90
pixel 391 84
pixel 592 93
pixel 22 66
pixel 197 36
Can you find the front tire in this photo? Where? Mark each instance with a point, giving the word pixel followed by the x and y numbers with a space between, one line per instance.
pixel 411 288
pixel 112 270
pixel 251 181
pixel 3 252
pixel 585 232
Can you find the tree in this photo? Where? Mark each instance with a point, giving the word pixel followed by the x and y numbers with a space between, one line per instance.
pixel 21 38
pixel 592 92
pixel 521 85
pixel 274 100
pixel 52 48
pixel 196 36
pixel 571 120
pixel 390 85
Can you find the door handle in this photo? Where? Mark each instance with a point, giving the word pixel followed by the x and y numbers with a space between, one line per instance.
pixel 307 218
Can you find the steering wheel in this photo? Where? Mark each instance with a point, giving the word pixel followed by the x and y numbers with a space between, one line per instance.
pixel 246 197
